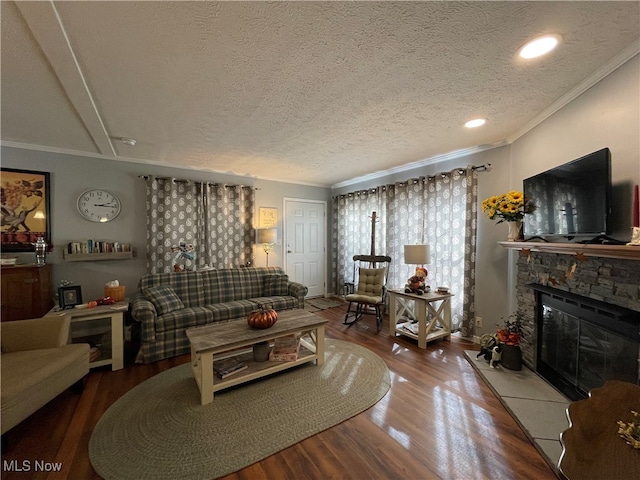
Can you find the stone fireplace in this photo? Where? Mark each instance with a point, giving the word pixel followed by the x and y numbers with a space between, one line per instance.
pixel 588 302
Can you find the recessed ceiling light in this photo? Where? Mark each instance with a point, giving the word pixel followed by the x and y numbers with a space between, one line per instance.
pixel 539 46
pixel 476 122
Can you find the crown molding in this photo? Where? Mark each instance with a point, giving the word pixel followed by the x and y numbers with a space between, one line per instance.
pixel 421 163
pixel 615 63
pixel 76 153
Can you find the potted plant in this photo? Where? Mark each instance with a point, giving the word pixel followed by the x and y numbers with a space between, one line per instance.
pixel 509 335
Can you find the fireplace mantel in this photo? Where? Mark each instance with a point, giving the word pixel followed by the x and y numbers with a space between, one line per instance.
pixel 627 252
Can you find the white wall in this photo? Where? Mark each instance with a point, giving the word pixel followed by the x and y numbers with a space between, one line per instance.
pixel 71 175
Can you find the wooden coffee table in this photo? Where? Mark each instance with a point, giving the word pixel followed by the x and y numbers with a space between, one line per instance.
pixel 235 338
pixel 591 445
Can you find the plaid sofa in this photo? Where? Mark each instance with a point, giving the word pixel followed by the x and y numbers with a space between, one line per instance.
pixel 168 303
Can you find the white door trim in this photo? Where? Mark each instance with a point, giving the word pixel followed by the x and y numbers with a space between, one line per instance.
pixel 285 236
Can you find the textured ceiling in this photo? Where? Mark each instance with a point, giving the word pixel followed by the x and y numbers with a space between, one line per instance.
pixel 318 93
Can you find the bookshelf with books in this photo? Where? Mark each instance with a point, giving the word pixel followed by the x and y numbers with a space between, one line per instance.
pixel 95 250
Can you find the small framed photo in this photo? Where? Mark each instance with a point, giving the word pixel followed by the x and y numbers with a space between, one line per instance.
pixel 69 296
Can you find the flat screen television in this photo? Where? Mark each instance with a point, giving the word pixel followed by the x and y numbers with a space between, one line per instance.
pixel 571 200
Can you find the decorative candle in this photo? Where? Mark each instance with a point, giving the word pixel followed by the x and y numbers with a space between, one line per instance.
pixel 636 208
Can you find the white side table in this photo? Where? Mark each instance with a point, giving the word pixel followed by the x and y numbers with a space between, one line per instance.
pixel 105 322
pixel 431 310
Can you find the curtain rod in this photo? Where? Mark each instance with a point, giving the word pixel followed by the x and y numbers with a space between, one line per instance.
pixel 180 180
pixel 485 167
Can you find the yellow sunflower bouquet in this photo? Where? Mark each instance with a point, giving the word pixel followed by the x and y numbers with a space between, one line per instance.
pixel 508 207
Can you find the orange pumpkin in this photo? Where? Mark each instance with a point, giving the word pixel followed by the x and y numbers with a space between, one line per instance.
pixel 262 318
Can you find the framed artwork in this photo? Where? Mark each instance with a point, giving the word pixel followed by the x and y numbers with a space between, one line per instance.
pixel 25 209
pixel 268 217
pixel 69 296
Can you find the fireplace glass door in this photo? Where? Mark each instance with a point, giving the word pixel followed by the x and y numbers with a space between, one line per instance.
pixel 582 354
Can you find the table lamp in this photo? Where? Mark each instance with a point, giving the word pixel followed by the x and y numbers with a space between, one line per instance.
pixel 417 255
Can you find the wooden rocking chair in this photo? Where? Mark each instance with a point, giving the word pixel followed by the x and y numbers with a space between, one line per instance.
pixel 372 272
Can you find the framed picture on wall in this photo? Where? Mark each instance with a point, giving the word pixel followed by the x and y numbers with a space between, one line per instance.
pixel 25 209
pixel 268 217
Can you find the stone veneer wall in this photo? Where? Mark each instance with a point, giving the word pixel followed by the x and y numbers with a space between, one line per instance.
pixel 610 280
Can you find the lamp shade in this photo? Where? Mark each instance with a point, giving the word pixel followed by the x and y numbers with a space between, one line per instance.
pixel 416 254
pixel 267 235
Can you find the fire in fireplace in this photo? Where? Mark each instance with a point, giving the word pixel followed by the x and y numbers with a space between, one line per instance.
pixel 583 342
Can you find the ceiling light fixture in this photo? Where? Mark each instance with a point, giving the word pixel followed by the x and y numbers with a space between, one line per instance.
pixel 539 46
pixel 128 141
pixel 476 122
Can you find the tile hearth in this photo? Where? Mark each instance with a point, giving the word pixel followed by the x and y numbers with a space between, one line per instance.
pixel 538 407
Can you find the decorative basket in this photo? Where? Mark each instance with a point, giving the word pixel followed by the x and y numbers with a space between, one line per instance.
pixel 117 293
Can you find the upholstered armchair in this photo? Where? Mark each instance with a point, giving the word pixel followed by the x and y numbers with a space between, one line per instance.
pixel 37 365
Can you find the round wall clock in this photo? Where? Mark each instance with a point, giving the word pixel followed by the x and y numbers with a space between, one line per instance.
pixel 99 205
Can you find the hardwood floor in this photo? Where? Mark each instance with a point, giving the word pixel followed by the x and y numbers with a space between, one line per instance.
pixel 438 421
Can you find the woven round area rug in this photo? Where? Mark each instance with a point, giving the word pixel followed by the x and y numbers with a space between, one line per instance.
pixel 159 430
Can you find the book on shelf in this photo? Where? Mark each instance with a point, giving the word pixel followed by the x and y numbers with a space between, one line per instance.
pixel 285 349
pixel 95 246
pixel 229 366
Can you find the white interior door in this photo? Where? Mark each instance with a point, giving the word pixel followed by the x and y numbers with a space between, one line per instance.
pixel 305 239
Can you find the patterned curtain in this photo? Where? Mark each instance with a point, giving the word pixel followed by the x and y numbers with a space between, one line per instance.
pixel 352 218
pixel 197 225
pixel 439 210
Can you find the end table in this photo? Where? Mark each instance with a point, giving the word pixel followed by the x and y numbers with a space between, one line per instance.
pixel 432 311
pixel 105 321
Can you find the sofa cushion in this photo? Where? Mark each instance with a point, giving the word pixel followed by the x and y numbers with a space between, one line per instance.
pixel 275 284
pixel 187 285
pixel 230 310
pixel 285 302
pixel 231 284
pixel 183 318
pixel 164 298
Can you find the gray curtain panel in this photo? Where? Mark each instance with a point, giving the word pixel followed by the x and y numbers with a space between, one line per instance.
pixel 439 210
pixel 215 219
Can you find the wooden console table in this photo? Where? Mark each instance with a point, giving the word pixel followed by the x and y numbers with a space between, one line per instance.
pixel 431 310
pixel 591 447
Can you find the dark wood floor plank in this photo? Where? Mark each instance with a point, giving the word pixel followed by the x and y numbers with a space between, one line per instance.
pixel 438 421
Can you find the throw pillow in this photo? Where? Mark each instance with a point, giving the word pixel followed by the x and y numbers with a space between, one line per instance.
pixel 164 298
pixel 276 285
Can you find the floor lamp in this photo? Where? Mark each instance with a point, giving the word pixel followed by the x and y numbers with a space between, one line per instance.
pixel 267 237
